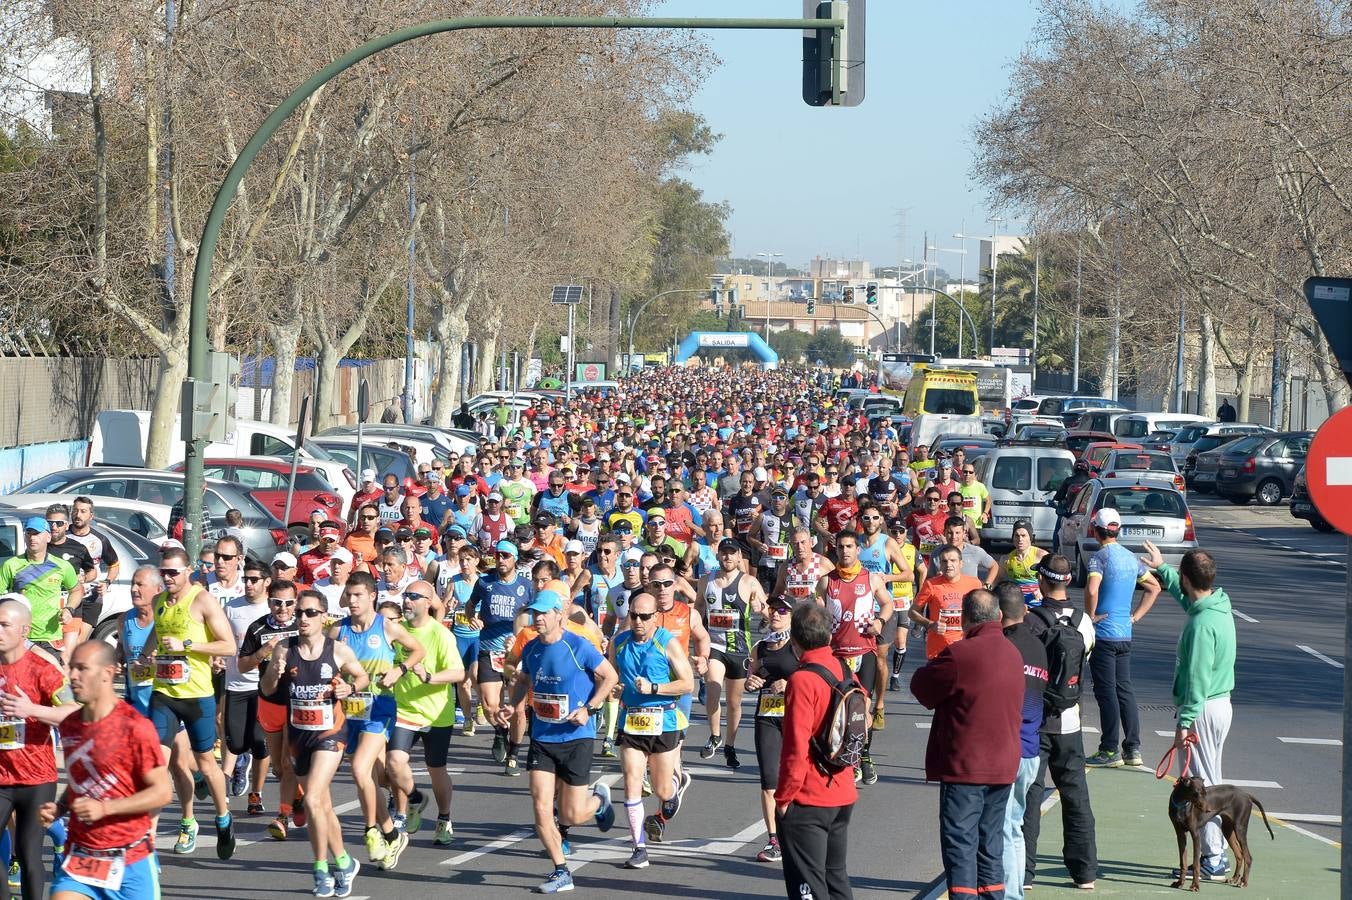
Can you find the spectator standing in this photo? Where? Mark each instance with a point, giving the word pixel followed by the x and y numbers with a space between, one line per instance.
pixel 1012 612
pixel 812 807
pixel 975 688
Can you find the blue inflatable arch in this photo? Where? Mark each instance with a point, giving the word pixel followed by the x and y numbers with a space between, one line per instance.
pixel 726 340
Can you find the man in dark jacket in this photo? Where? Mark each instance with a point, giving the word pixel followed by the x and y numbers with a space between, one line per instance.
pixel 976 688
pixel 812 809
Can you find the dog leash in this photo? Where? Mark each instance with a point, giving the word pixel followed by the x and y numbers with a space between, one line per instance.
pixel 1167 762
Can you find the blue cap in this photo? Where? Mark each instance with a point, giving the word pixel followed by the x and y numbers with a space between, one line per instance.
pixel 546 601
pixel 508 547
pixel 37 523
pixel 462 491
pixel 456 530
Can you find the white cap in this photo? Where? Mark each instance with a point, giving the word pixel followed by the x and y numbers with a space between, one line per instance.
pixel 623 478
pixel 1107 518
pixel 171 544
pixel 18 598
pixel 343 554
pixel 760 474
pixel 368 475
pixel 286 558
pixel 574 547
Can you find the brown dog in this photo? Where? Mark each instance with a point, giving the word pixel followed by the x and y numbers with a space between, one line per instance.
pixel 1192 804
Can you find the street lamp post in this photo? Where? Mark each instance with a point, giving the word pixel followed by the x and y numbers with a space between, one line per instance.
pixel 995 264
pixel 768 257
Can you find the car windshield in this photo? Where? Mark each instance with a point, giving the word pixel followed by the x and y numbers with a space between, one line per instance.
pixel 951 401
pixel 47 484
pixel 1190 434
pixel 1013 473
pixel 1144 502
pixel 1246 444
pixel 1211 442
pixel 1131 428
pixel 317 452
pixel 1142 462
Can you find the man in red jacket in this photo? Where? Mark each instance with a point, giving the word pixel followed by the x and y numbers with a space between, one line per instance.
pixel 975 687
pixel 812 809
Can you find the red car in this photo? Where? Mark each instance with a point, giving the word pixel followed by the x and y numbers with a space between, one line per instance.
pixel 266 480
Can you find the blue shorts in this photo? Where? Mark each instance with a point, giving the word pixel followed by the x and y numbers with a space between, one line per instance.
pixel 381 722
pixel 140 881
pixel 196 714
pixel 468 645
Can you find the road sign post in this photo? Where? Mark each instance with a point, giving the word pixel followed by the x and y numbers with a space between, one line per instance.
pixel 302 435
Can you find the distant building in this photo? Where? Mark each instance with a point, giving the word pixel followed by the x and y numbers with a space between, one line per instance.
pixel 48 74
pixel 1011 244
pixel 839 268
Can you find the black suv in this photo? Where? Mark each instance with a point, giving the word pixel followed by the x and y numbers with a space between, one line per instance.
pixel 1265 471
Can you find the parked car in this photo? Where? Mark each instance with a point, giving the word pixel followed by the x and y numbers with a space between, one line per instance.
pixel 1077 441
pixel 1143 466
pixel 1026 405
pixel 1059 406
pixel 1036 433
pixel 447 439
pixel 1021 480
pixel 1264 471
pixel 1199 469
pixel 374 455
pixel 1101 419
pixel 1135 426
pixel 974 445
pixel 1188 436
pixel 263 532
pixel 267 479
pixel 1097 452
pixel 1302 507
pixel 133 551
pixel 1150 512
pixel 149 520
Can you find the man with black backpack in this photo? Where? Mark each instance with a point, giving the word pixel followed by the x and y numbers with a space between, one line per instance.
pixel 1058 624
pixel 824 730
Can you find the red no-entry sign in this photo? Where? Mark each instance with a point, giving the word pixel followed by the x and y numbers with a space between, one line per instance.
pixel 1328 470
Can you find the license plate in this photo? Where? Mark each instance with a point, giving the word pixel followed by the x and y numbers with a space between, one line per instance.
pixel 1229 472
pixel 1301 507
pixel 1007 520
pixel 1143 532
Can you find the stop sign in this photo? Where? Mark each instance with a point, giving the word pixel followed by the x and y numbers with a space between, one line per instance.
pixel 1328 470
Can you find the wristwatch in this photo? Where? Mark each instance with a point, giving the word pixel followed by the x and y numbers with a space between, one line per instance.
pixel 187 645
pixel 652 688
pixel 593 711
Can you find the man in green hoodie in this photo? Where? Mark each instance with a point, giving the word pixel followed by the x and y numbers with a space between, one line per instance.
pixel 1204 676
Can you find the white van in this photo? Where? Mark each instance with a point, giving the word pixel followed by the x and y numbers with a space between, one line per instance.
pixel 1138 425
pixel 1101 420
pixel 1021 480
pixel 121 435
pixel 928 426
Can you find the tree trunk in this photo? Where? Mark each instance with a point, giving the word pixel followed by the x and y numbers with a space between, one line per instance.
pixel 327 357
pixel 488 343
pixel 1206 368
pixel 613 347
pixel 284 337
pixel 451 331
pixel 164 408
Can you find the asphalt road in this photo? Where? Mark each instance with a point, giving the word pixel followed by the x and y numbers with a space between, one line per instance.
pixel 1287 584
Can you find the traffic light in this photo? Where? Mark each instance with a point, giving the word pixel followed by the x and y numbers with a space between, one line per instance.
pixel 811 306
pixel 825 55
pixel 871 293
pixel 207 408
pixel 847 295
pixel 732 296
pixel 716 298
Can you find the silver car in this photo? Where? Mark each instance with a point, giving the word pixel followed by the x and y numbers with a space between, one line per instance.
pixel 1150 511
pixel 1154 466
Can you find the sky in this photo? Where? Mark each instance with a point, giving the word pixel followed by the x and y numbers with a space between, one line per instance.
pixel 933 69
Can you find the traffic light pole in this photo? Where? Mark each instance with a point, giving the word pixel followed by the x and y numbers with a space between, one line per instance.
pixel 193 463
pixel 633 319
pixel 962 309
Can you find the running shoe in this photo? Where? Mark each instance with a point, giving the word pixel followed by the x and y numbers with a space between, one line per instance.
pixel 730 757
pixel 868 773
pixel 255 807
pixel 770 852
pixel 638 859
pixel 879 719
pixel 459 717
pixel 187 838
pixel 277 828
pixel 563 837
pixel 376 847
pixel 15 875
pixel 200 789
pixel 241 782
pixel 894 683
pixel 343 878
pixel 711 746
pixel 398 820
pixel 559 880
pixel 444 832
pixel 396 849
pixel 654 826
pixel 857 775
pixel 1219 872
pixel 225 837
pixel 1104 759
pixel 1133 759
pixel 499 748
pixel 298 815
pixel 323 883
pixel 510 767
pixel 605 813
pixel 608 748
pixel 415 814
pixel 566 846
pixel 479 717
pixel 468 729
pixel 673 806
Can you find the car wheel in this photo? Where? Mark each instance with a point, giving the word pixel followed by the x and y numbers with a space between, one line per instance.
pixel 109 631
pixel 1319 524
pixel 1269 492
pixel 1200 488
pixel 1237 499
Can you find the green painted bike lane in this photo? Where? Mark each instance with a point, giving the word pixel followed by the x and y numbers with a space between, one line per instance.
pixel 1137 849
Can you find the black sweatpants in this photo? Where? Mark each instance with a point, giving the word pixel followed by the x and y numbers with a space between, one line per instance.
pixel 1063 756
pixel 24 801
pixel 815 841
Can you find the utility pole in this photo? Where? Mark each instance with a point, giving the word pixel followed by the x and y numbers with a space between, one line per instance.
pixel 1178 361
pixel 408 299
pixel 995 266
pixel 1075 347
pixel 1037 274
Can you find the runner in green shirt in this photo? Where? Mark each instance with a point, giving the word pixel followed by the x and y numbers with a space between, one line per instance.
pixel 42 579
pixel 425 701
pixel 976 500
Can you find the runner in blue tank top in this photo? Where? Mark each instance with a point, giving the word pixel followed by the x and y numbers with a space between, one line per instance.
pixel 495 605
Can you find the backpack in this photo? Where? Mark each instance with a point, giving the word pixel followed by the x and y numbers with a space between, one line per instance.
pixel 1066 651
pixel 840 740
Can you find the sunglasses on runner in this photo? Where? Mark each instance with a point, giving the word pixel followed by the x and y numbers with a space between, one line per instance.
pixel 281 601
pixel 252 578
pixel 171 573
pixel 665 583
pixel 311 612
pixel 641 617
pixel 414 595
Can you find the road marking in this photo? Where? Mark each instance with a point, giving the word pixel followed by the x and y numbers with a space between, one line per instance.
pixel 1310 834
pixel 619 848
pixel 1163 733
pixel 923 724
pixel 1308 817
pixel 1255 784
pixel 1319 656
pixel 1338 471
pixel 1090 729
pixel 1246 618
pixel 1322 742
pixel 209 840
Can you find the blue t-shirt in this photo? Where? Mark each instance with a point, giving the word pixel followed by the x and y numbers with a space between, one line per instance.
pixel 133 645
pixel 1120 570
pixel 462 588
pixel 561 683
pixel 497 605
pixel 434 510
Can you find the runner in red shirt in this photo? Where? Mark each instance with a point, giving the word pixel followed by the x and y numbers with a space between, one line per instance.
pixel 117 781
pixel 926 526
pixel 33 699
pixel 837 514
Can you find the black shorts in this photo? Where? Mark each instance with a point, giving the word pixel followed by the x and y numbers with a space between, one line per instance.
pixel 487 674
pixel 651 744
pixel 735 666
pixel 302 754
pixel 868 671
pixel 243 733
pixel 218 687
pixel 436 743
pixel 90 609
pixel 769 740
pixel 889 632
pixel 570 761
